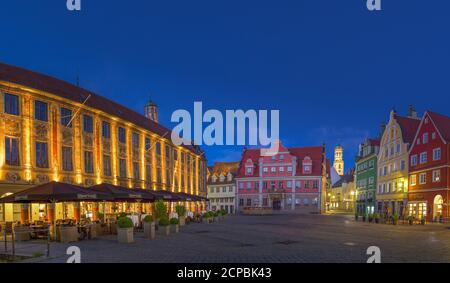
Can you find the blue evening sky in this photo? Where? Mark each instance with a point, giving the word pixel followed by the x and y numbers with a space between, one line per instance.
pixel 332 68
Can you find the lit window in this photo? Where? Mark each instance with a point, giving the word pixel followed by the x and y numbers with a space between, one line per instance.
pixel 123 168
pixel 436 176
pixel 107 165
pixel 136 171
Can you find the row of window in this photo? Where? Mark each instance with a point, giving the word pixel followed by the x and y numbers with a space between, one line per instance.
pixel 279 185
pixel 423 157
pixel 366 165
pixel 221 200
pixel 436 177
pixel 281 169
pixel 390 152
pixel 221 189
pixel 392 168
pixel 425 137
pixel 362 184
pixel 391 187
pixel 250 202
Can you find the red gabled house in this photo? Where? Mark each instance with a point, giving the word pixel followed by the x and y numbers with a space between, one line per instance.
pixel 293 179
pixel 429 169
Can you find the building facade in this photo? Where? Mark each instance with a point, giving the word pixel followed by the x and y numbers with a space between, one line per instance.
pixel 293 179
pixel 343 194
pixel 366 177
pixel 429 174
pixel 222 186
pixel 54 131
pixel 392 190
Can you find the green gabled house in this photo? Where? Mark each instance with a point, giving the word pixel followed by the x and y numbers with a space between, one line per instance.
pixel 366 177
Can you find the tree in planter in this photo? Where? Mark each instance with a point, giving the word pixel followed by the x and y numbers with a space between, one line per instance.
pixel 160 209
pixel 370 218
pixel 125 230
pixel 149 227
pixel 181 211
pixel 376 217
pixel 165 224
pixel 174 223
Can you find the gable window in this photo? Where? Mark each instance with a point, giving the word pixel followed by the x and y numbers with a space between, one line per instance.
pixel 398 148
pixel 423 157
pixel 249 171
pixel 121 133
pixel 41 155
pixel 66 117
pixel 423 178
pixel 67 164
pixel 11 104
pixel 425 138
pixel 307 169
pixel 40 111
pixel 433 136
pixel 12 151
pixel 436 176
pixel 106 130
pixel 87 124
pixel 436 154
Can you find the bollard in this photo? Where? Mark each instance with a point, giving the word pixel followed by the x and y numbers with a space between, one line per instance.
pixel 6 242
pixel 12 243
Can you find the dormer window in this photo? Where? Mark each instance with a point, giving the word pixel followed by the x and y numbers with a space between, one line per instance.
pixel 249 170
pixel 307 165
pixel 229 177
pixel 281 157
pixel 214 178
pixel 222 177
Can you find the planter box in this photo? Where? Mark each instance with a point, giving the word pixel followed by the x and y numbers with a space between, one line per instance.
pixel 149 230
pixel 22 234
pixel 113 228
pixel 125 235
pixel 164 230
pixel 68 234
pixel 175 228
pixel 182 220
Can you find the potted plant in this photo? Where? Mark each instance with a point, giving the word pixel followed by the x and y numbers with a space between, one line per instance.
pixel 160 211
pixel 149 227
pixel 423 221
pixel 174 223
pixel 164 224
pixel 370 218
pixel 376 217
pixel 125 230
pixel 181 211
pixel 410 220
pixel 206 217
pixel 395 219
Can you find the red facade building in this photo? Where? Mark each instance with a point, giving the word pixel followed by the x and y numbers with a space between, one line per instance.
pixel 429 174
pixel 292 179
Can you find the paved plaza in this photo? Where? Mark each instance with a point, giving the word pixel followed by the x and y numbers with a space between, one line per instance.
pixel 271 239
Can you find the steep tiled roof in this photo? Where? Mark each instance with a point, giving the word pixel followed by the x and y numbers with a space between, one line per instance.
pixel 442 123
pixel 66 90
pixel 409 127
pixel 314 152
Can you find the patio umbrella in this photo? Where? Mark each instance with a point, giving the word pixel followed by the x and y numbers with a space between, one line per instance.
pixel 167 196
pixel 54 192
pixel 123 194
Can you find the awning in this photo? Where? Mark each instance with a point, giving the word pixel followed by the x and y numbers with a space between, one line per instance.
pixel 118 193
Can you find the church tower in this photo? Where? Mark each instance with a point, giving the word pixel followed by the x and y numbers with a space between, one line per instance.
pixel 338 163
pixel 151 111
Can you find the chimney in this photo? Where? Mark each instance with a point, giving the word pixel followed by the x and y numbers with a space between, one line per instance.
pixel 412 113
pixel 151 111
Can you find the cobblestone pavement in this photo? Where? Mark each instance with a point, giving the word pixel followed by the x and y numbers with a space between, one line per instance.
pixel 273 239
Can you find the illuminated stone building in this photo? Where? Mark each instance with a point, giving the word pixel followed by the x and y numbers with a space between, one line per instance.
pixel 222 186
pixel 53 130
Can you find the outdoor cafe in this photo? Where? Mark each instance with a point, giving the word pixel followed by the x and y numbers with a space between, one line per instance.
pixel 70 212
